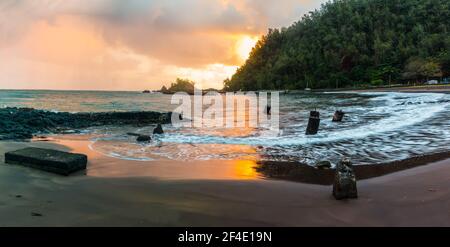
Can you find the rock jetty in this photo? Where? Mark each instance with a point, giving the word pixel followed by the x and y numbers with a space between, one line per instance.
pixel 23 123
pixel 158 130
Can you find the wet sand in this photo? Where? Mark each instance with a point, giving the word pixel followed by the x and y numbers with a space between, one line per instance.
pixel 416 197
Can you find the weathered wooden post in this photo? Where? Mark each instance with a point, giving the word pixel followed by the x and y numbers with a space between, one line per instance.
pixel 338 116
pixel 344 181
pixel 313 123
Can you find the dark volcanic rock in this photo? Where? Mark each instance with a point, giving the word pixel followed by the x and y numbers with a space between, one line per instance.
pixel 143 138
pixel 22 123
pixel 344 186
pixel 62 163
pixel 133 134
pixel 158 130
pixel 323 164
pixel 34 214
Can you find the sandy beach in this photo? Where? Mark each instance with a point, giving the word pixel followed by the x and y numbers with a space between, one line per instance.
pixel 415 197
pixel 220 113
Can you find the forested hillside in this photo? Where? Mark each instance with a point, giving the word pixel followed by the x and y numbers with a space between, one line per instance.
pixel 352 43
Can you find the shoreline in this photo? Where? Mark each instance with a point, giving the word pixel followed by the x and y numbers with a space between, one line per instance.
pixel 415 197
pixel 406 89
pixel 234 169
pixel 303 173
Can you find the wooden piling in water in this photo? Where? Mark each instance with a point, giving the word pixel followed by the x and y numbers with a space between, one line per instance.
pixel 313 123
pixel 338 116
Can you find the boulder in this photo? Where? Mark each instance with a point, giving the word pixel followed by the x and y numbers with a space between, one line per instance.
pixel 344 186
pixel 140 137
pixel 323 165
pixel 143 138
pixel 59 162
pixel 338 116
pixel 158 130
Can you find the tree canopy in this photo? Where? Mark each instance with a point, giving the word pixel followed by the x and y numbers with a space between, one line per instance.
pixel 352 43
pixel 180 85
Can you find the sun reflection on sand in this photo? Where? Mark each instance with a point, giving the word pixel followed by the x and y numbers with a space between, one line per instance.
pixel 245 169
pixel 100 165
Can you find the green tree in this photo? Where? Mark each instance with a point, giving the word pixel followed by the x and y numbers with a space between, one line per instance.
pixel 351 42
pixel 444 60
pixel 180 85
pixel 164 89
pixel 413 68
pixel 431 69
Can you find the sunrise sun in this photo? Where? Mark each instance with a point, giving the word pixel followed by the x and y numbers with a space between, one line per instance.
pixel 245 46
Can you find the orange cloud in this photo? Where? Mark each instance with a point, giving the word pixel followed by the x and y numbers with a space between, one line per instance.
pixel 129 45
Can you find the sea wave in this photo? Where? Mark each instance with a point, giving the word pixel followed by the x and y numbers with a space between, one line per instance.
pixel 378 127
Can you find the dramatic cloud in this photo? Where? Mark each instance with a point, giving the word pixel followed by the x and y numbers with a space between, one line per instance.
pixel 136 44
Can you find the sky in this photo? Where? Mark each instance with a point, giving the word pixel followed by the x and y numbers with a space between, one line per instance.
pixel 133 44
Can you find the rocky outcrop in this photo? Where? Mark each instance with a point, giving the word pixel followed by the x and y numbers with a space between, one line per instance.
pixel 143 138
pixel 323 165
pixel 344 186
pixel 22 123
pixel 158 130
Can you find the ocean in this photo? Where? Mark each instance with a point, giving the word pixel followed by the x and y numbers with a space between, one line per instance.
pixel 377 128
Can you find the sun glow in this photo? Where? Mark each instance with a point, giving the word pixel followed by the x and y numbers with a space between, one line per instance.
pixel 245 46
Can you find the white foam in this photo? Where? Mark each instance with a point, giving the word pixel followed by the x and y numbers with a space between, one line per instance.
pixel 401 116
pixel 398 111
